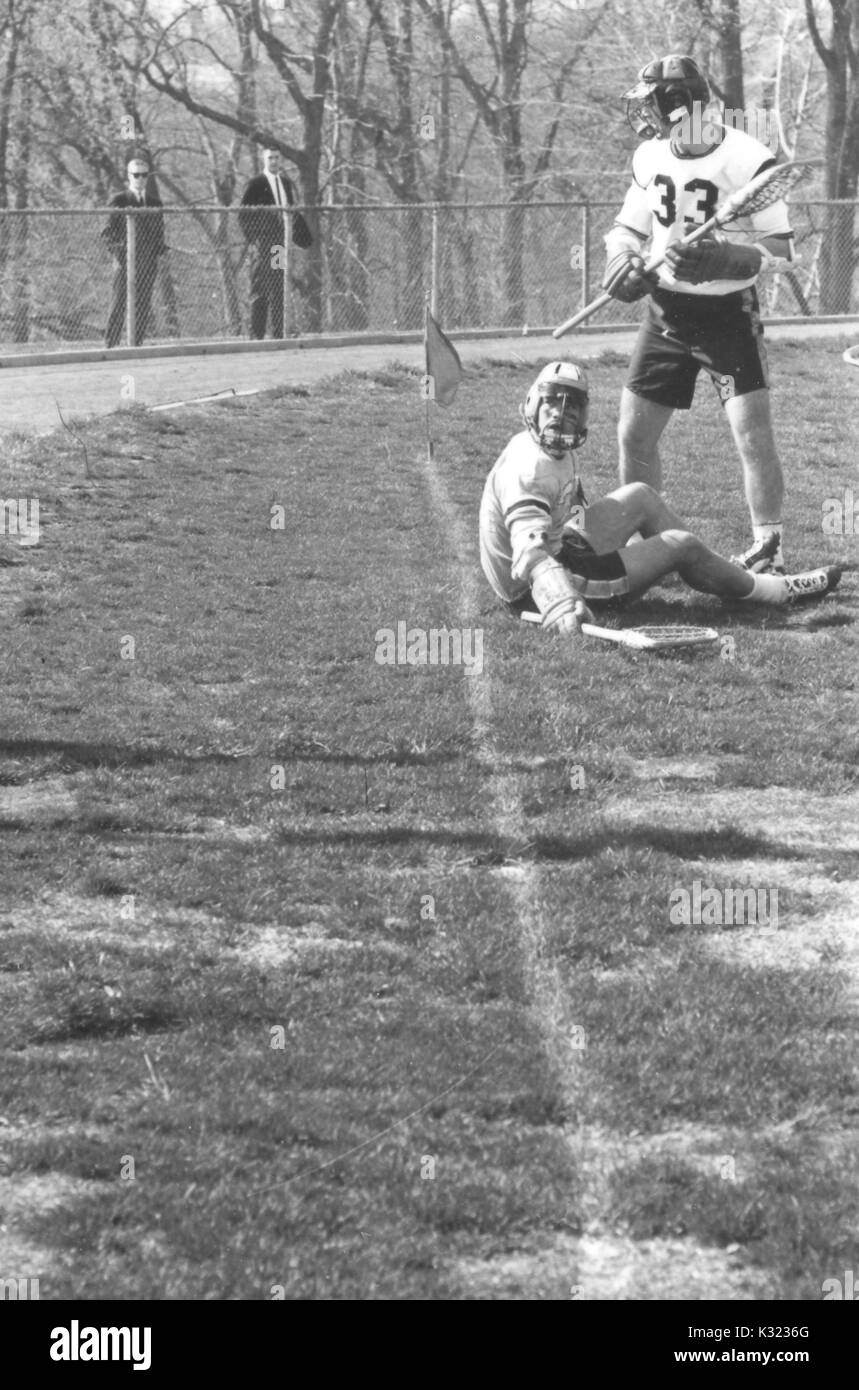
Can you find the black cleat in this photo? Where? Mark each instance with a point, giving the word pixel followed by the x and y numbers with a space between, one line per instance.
pixel 759 558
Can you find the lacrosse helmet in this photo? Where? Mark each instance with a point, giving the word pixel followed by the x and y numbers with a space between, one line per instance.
pixel 665 92
pixel 567 384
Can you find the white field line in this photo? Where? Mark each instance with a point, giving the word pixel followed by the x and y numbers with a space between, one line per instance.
pixel 506 814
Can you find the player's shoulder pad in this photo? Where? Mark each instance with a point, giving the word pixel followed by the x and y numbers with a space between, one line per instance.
pixel 645 161
pixel 524 453
pixel 744 154
pixel 531 466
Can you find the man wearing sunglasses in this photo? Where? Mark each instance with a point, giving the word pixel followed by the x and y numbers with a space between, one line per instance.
pixel 149 245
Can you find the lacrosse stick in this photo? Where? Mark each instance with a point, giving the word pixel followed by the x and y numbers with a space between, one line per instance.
pixel 851 355
pixel 759 193
pixel 652 639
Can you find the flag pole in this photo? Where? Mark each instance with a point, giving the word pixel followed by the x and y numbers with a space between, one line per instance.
pixel 434 264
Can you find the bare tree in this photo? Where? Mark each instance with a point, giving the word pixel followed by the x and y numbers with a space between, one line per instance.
pixel 302 65
pixel 499 100
pixel 840 58
pixel 722 24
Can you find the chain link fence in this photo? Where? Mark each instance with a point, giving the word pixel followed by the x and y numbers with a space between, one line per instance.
pixel 369 270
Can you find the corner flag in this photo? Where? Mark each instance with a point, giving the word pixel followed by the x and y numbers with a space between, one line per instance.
pixel 444 368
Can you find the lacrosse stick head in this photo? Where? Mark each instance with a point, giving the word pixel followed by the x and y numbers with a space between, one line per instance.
pixel 765 188
pixel 670 637
pixel 655 637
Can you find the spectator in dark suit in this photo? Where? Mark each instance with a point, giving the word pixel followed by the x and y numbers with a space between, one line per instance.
pixel 149 245
pixel 265 231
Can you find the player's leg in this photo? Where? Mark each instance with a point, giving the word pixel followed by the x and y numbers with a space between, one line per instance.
pixel 750 419
pixel 702 569
pixel 732 351
pixel 661 379
pixel 609 523
pixel 639 429
pixel 678 551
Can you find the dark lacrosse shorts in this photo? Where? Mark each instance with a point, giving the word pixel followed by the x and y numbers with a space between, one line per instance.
pixel 598 577
pixel 683 334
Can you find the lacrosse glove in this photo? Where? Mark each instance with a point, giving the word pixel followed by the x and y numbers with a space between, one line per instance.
pixel 558 599
pixel 624 277
pixel 713 259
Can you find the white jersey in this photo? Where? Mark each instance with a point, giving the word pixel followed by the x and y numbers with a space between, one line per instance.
pixel 527 499
pixel 671 194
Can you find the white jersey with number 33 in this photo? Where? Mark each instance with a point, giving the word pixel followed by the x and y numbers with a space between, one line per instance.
pixel 672 194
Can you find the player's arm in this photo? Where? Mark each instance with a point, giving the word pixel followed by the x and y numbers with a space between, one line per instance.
pixel 778 247
pixel 720 257
pixel 624 247
pixel 562 606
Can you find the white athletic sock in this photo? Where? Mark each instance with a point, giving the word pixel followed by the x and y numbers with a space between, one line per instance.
pixel 768 588
pixel 764 530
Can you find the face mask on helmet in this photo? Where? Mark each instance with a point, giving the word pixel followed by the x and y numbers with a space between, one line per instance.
pixel 563 386
pixel 656 114
pixel 565 427
pixel 665 92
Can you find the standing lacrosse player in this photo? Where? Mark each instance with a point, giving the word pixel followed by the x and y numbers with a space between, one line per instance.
pixel 544 549
pixel 703 310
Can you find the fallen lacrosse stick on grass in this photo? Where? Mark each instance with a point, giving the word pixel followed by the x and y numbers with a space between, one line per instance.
pixel 654 638
pixel 759 193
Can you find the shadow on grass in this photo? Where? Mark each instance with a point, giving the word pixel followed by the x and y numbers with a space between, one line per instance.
pixel 75 754
pixel 690 844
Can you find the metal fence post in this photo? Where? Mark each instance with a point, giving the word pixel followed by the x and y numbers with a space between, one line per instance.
pixel 586 253
pixel 286 315
pixel 131 277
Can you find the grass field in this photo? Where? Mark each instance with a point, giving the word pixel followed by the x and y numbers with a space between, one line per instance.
pixel 323 978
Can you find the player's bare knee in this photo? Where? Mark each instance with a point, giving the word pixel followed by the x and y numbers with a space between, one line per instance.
pixel 644 498
pixel 628 438
pixel 684 545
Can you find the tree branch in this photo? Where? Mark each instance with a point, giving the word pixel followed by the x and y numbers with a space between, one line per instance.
pixel 826 55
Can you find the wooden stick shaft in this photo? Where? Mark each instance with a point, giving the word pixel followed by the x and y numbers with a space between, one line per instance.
pixel 653 264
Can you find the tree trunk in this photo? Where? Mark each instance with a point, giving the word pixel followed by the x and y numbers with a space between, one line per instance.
pixel 837 256
pixel 730 38
pixel 21 288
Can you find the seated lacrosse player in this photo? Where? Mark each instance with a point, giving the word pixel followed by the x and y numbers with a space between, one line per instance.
pixel 543 549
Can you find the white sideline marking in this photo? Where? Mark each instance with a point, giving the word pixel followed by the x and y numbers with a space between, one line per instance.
pixel 505 806
pixel 851 355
